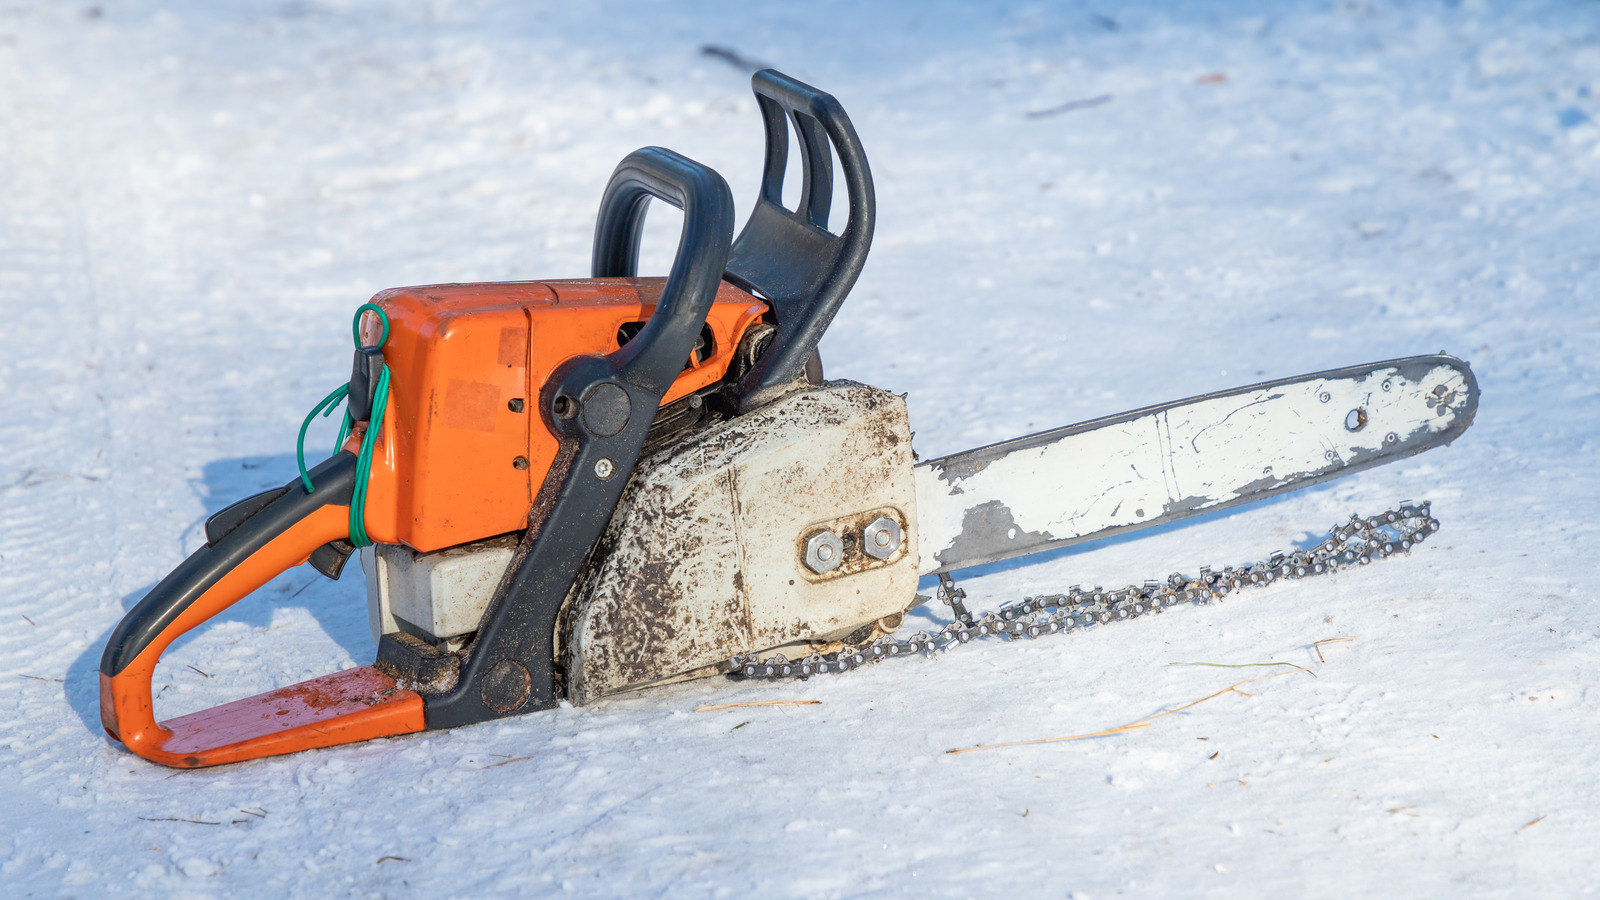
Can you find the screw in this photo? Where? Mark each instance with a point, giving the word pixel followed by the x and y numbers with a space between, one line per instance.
pixel 1386 385
pixel 515 405
pixel 824 551
pixel 520 463
pixel 1324 396
pixel 881 538
pixel 604 468
pixel 1391 438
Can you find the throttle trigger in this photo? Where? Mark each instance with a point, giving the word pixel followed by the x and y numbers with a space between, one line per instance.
pixel 329 559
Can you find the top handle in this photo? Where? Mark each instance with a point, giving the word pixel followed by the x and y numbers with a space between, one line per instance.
pixel 653 358
pixel 789 257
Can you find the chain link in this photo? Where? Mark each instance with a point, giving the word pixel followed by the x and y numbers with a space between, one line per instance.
pixel 1355 543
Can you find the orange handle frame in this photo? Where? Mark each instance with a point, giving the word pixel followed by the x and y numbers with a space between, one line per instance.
pixel 353 705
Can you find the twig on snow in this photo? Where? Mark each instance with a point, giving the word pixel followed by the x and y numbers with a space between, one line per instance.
pixel 1069 106
pixel 760 703
pixel 302 589
pixel 1318 645
pixel 190 821
pixel 1237 665
pixel 1071 737
pixel 507 762
pixel 733 57
pixel 1137 723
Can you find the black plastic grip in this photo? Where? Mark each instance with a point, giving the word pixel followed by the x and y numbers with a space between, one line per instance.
pixel 653 359
pixel 789 256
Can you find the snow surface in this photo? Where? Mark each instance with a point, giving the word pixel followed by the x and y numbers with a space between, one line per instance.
pixel 195 196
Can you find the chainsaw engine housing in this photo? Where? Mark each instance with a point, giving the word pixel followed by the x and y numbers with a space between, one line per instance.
pixel 712 552
pixel 469 450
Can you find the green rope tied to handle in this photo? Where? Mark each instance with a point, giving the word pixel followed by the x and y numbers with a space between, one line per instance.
pixel 358 494
pixel 380 403
pixel 326 407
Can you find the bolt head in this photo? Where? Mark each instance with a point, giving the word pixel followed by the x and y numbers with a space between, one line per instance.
pixel 881 538
pixel 824 552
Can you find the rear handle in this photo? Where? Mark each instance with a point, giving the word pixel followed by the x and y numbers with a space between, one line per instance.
pixel 353 705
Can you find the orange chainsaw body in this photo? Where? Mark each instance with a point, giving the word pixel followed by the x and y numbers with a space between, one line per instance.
pixel 463 449
pixel 458 460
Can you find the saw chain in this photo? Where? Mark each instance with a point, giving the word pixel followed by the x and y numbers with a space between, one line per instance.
pixel 1355 543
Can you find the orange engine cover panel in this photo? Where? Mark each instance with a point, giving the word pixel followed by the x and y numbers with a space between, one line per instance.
pixel 446 469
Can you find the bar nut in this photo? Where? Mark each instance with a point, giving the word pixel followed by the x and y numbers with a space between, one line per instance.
pixel 881 538
pixel 824 552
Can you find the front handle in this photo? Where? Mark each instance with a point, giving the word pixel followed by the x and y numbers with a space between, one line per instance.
pixel 353 705
pixel 653 359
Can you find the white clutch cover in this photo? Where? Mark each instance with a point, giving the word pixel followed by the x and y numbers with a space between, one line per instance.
pixel 794 522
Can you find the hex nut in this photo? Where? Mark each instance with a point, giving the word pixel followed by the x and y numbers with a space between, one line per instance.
pixel 881 538
pixel 824 552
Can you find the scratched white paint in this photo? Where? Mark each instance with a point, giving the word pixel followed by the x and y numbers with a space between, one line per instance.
pixel 706 541
pixel 1199 455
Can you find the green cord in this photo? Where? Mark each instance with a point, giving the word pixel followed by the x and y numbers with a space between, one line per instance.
pixel 355 326
pixel 358 494
pixel 380 403
pixel 326 407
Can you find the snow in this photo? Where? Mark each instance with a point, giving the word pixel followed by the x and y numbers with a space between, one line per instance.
pixel 194 197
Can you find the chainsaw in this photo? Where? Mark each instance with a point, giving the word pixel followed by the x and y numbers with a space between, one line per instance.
pixel 562 490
